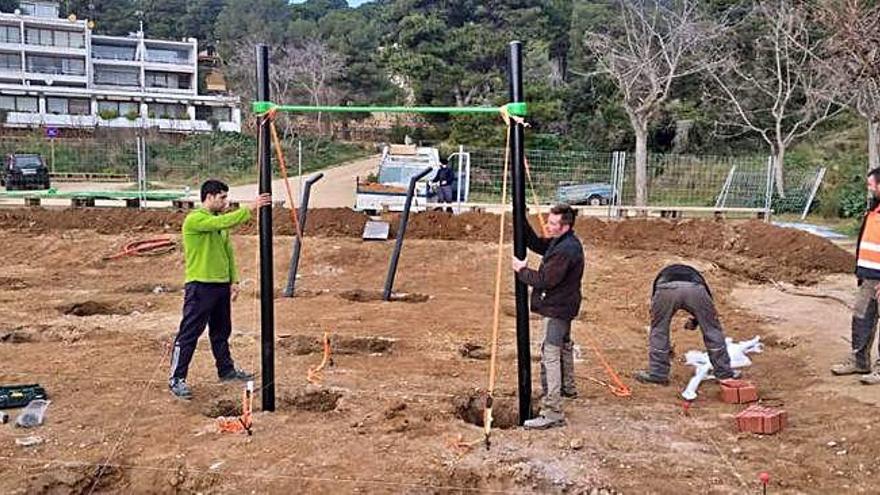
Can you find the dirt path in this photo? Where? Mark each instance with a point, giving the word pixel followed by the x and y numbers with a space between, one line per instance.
pixel 336 189
pixel 820 327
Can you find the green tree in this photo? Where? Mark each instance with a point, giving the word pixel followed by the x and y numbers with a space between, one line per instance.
pixel 8 5
pixel 111 17
pixel 262 20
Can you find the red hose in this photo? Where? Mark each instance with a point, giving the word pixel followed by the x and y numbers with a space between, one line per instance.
pixel 145 247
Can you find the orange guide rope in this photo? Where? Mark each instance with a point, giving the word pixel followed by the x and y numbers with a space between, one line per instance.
pixel 314 375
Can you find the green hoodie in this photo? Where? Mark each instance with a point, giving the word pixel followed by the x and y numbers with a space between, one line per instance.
pixel 207 247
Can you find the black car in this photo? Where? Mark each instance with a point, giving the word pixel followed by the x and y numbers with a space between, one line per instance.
pixel 21 171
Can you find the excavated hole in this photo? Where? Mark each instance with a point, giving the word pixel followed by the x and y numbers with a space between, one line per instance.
pixel 50 333
pixel 302 345
pixel 473 351
pixel 308 293
pixel 12 283
pixel 222 407
pixel 470 407
pixel 101 479
pixel 361 295
pixel 16 336
pixel 91 308
pixel 313 401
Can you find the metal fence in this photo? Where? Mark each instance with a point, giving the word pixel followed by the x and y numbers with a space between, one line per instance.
pixel 176 162
pixel 170 162
pixel 673 180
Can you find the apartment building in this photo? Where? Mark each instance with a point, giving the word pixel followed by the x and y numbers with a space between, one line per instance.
pixel 55 72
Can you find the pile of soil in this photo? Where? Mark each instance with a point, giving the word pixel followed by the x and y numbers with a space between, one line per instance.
pixel 753 249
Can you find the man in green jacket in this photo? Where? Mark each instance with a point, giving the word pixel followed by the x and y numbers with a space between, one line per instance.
pixel 211 284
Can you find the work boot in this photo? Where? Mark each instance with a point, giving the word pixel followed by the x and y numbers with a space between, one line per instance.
pixel 179 388
pixel 236 375
pixel 544 421
pixel 849 367
pixel 569 394
pixel 647 377
pixel 872 378
pixel 734 375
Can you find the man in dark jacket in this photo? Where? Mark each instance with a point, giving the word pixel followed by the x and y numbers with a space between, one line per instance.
pixel 444 179
pixel 683 287
pixel 556 295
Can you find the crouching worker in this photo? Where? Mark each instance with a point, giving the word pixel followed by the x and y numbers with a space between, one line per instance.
pixel 556 295
pixel 211 284
pixel 683 287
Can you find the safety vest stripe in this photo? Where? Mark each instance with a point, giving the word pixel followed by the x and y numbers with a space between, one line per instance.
pixel 873 265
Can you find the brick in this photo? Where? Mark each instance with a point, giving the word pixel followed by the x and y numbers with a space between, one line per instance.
pixel 738 391
pixel 761 420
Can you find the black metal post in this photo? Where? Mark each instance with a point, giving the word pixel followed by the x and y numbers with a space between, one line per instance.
pixel 297 245
pixel 523 353
pixel 401 231
pixel 267 296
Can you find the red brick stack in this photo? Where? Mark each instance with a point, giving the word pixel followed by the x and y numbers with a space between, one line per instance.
pixel 738 391
pixel 761 420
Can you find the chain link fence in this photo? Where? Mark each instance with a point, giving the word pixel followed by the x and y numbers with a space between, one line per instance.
pixel 171 162
pixel 577 177
pixel 599 179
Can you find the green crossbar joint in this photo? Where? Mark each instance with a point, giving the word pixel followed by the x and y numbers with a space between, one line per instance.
pixel 516 109
pixel 261 107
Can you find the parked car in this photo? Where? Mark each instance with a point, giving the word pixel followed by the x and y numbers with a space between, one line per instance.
pixel 24 171
pixel 596 194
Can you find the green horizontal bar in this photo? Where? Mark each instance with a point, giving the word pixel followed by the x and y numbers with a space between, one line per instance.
pixel 261 107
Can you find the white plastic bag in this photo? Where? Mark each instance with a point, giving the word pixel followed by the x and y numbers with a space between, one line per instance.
pixel 33 414
pixel 700 361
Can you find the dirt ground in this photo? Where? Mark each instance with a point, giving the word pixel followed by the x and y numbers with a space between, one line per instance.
pixel 387 416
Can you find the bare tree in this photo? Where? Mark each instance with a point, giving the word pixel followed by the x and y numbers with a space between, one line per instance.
pixel 853 61
pixel 296 71
pixel 240 72
pixel 775 86
pixel 315 69
pixel 657 44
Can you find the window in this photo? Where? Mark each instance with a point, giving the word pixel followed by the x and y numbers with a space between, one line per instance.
pixel 161 80
pixel 168 56
pixel 220 114
pixel 47 37
pixel 10 34
pixel 56 65
pixel 118 108
pixel 19 103
pixel 10 61
pixel 27 8
pixel 68 106
pixel 111 52
pixel 57 106
pixel 39 9
pixel 167 80
pixel 62 38
pixel 167 111
pixel 46 10
pixel 79 106
pixel 117 77
pixel 77 40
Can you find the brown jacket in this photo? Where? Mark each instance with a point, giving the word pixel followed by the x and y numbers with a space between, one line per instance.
pixel 556 284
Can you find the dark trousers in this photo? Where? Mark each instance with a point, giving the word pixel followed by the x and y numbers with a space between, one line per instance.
pixel 693 298
pixel 864 322
pixel 204 304
pixel 444 194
